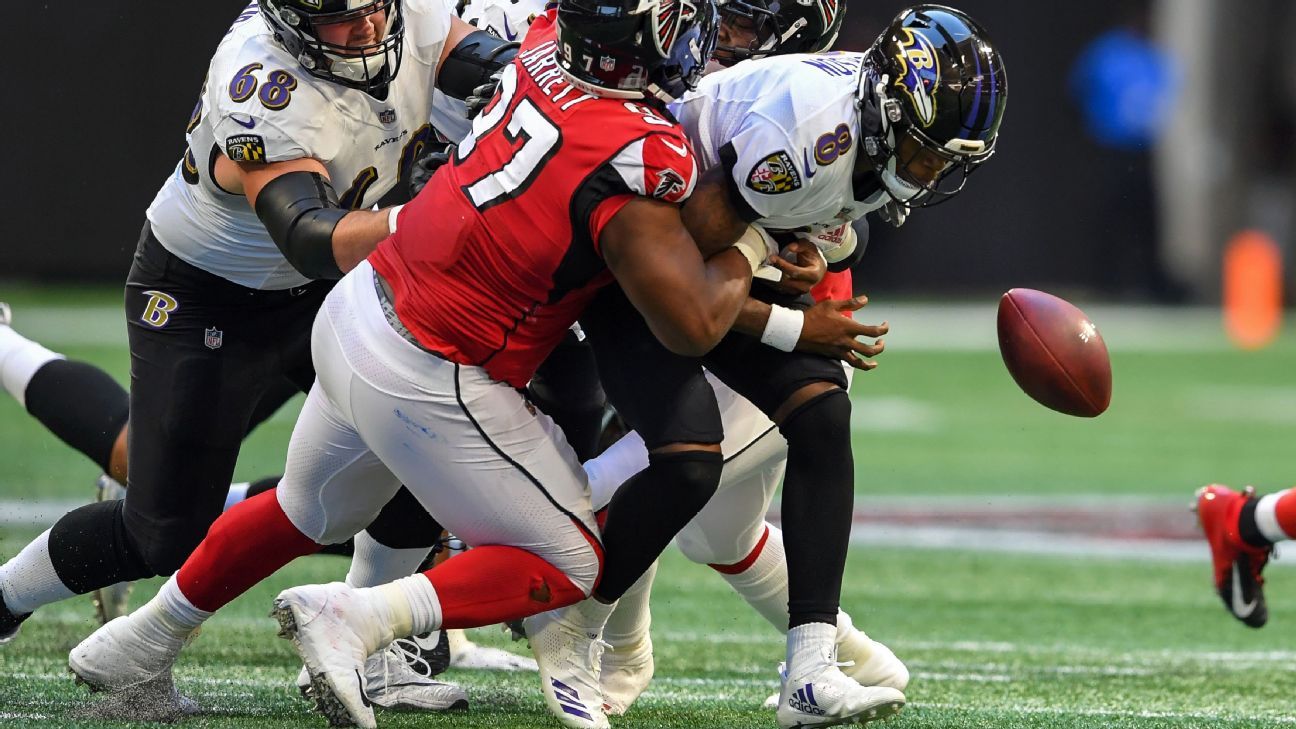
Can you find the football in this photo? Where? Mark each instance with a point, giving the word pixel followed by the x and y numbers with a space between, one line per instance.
pixel 1054 352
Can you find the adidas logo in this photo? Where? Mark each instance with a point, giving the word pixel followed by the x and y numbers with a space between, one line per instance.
pixel 803 700
pixel 569 700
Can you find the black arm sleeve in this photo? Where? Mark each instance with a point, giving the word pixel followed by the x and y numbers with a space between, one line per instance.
pixel 472 62
pixel 300 211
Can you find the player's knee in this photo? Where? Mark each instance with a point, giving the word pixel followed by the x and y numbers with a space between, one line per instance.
pixel 711 548
pixel 695 475
pixel 821 423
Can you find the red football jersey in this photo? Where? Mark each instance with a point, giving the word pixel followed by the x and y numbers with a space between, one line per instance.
pixel 499 254
pixel 836 286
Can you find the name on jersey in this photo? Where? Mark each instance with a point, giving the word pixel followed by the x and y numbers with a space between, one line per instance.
pixel 774 175
pixel 245 148
pixel 541 65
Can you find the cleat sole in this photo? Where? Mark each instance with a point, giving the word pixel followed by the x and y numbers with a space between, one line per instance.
pixel 326 702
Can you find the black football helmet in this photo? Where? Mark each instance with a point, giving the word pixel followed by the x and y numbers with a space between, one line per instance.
pixel 634 49
pixel 939 85
pixel 296 24
pixel 781 26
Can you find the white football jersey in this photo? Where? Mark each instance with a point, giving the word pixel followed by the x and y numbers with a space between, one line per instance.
pixel 508 19
pixel 786 131
pixel 259 105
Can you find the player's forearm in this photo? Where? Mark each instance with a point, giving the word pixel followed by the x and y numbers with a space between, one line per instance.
pixel 752 317
pixel 357 235
pixel 717 301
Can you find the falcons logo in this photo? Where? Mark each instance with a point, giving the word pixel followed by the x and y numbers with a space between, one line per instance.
pixel 668 22
pixel 669 183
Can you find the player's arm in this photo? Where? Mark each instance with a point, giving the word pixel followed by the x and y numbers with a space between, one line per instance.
pixel 299 208
pixel 689 302
pixel 470 58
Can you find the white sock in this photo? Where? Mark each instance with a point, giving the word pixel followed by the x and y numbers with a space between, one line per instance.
pixel 171 612
pixel 764 585
pixel 410 605
pixel 589 614
pixel 376 564
pixel 630 622
pixel 237 494
pixel 810 648
pixel 20 358
pixel 1266 517
pixel 29 581
pixel 615 466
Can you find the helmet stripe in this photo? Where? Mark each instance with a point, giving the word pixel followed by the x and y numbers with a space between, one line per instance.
pixel 970 119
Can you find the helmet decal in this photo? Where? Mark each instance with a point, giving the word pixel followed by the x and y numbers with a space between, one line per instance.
pixel 920 75
pixel 828 10
pixel 667 21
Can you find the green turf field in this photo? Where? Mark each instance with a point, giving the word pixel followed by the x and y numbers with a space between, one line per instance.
pixel 992 640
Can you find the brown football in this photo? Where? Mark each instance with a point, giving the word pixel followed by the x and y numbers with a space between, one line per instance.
pixel 1054 352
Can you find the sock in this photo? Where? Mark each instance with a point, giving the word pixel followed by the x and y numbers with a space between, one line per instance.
pixel 376 564
pixel 80 404
pixel 495 584
pixel 649 510
pixel 29 580
pixel 245 545
pixel 20 358
pixel 762 578
pixel 1273 517
pixel 818 497
pixel 810 648
pixel 238 493
pixel 590 615
pixel 615 466
pixel 631 620
pixel 170 612
pixel 411 605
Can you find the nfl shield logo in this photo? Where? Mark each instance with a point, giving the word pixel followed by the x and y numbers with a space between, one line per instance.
pixel 213 338
pixel 387 116
pixel 607 63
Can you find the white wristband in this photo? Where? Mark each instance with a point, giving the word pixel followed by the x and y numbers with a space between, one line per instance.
pixel 783 329
pixel 392 212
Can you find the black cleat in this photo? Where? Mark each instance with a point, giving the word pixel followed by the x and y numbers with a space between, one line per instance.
pixel 9 622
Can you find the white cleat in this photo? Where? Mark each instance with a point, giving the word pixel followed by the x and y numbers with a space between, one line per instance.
pixel 568 658
pixel 626 673
pixel 391 682
pixel 872 664
pixel 134 670
pixel 113 601
pixel 334 631
pixel 466 654
pixel 829 698
pixel 6 315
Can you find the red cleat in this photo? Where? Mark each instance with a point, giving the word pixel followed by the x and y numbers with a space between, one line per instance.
pixel 1237 564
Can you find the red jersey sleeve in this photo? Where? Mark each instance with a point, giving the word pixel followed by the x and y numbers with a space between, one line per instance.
pixel 659 166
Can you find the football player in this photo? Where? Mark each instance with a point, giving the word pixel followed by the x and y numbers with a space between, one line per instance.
pixel 1242 530
pixel 571 178
pixel 898 127
pixel 303 98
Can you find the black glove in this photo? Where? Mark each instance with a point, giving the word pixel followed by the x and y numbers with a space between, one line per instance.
pixel 482 95
pixel 426 166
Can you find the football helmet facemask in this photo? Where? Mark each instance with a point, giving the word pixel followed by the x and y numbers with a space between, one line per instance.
pixel 634 49
pixel 940 88
pixel 296 25
pixel 780 26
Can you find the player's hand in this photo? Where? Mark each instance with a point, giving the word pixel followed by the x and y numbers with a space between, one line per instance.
pixel 482 95
pixel 826 331
pixel 426 166
pixel 802 267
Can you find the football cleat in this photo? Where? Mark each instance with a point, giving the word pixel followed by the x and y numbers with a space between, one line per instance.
pixel 866 661
pixel 392 682
pixel 428 655
pixel 113 601
pixel 132 668
pixel 6 315
pixel 9 622
pixel 466 654
pixel 1237 565
pixel 568 657
pixel 334 630
pixel 828 697
pixel 625 673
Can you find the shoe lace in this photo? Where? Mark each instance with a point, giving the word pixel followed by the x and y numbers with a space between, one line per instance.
pixel 411 655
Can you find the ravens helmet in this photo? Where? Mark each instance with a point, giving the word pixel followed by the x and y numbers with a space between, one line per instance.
pixel 296 25
pixel 772 27
pixel 939 85
pixel 633 49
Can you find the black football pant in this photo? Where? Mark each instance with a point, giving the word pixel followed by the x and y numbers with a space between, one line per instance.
pixel 208 357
